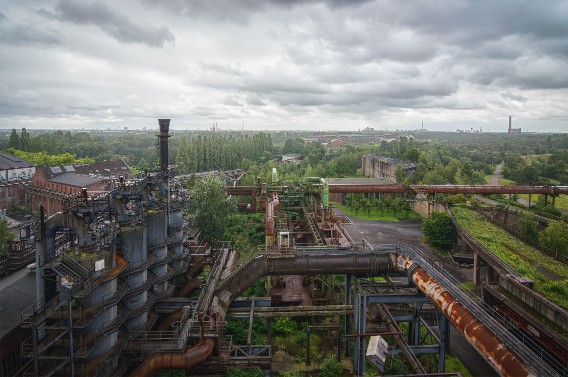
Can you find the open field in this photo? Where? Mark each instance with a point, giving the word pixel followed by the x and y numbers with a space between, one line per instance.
pixel 374 214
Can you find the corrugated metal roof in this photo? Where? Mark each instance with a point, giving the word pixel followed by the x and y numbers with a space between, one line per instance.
pixel 78 180
pixel 14 299
pixel 8 161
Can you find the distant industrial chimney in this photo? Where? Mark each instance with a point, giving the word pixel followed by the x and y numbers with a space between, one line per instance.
pixel 164 135
pixel 510 123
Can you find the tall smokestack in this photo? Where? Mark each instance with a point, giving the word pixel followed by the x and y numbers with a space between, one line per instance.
pixel 164 135
pixel 510 123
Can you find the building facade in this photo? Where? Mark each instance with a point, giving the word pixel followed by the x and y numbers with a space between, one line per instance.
pixel 15 173
pixel 51 186
pixel 385 167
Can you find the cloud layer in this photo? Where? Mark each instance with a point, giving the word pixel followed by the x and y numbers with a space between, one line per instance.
pixel 285 64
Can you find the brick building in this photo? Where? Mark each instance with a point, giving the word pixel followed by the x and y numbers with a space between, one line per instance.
pixel 385 167
pixel 52 185
pixel 15 173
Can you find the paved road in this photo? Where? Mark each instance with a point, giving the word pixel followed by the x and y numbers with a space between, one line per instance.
pixel 409 232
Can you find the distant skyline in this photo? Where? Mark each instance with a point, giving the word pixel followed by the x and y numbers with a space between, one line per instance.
pixel 285 64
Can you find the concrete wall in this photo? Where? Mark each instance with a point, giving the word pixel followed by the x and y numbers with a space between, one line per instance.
pixel 425 208
pixel 536 302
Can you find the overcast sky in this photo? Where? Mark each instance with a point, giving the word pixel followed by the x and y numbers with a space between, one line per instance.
pixel 284 64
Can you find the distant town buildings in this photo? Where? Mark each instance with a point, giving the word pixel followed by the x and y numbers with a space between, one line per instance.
pixel 382 167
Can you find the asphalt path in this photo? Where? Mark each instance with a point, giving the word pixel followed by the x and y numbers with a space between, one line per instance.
pixel 409 231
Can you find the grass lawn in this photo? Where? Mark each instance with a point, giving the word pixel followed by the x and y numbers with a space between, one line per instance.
pixel 375 215
pixel 549 275
pixel 561 201
pixel 506 182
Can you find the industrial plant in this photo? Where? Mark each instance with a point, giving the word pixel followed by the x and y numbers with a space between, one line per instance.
pixel 116 271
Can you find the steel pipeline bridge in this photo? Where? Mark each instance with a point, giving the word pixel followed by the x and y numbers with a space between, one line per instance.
pixel 423 189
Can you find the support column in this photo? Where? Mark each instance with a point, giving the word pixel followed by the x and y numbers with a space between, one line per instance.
pixel 444 342
pixel 70 330
pixel 476 269
pixel 347 302
pixel 308 346
pixel 361 340
pixel 416 325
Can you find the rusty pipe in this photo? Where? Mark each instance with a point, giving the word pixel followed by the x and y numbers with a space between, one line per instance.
pixel 231 264
pixel 189 287
pixel 190 358
pixel 504 360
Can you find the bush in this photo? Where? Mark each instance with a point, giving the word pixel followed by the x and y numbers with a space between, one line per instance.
pixel 284 326
pixel 244 372
pixel 439 230
pixel 331 367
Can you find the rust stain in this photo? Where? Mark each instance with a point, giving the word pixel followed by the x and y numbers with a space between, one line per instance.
pixel 475 332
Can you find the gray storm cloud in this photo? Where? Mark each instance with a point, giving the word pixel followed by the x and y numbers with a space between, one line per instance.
pixel 274 63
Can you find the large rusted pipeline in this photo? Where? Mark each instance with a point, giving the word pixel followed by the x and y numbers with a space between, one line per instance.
pixel 192 357
pixel 189 287
pixel 501 357
pixel 231 264
pixel 355 188
pixel 485 189
pixel 303 265
pixel 447 189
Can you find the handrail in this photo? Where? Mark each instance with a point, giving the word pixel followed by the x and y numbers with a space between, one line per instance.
pixel 553 253
pixel 485 252
pixel 483 312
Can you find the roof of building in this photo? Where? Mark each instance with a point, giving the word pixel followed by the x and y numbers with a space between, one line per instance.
pixel 115 167
pixel 78 180
pixel 102 168
pixel 15 297
pixel 9 161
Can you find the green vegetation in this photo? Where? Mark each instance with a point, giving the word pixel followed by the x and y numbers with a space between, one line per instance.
pixel 550 276
pixel 555 237
pixel 5 236
pixel 244 372
pixel 439 230
pixel 44 159
pixel 374 214
pixel 210 207
pixel 331 367
pixel 453 364
pixel 284 326
pixel 389 208
pixel 291 373
pixel 238 329
pixel 528 226
pixel 217 152
pixel 546 169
